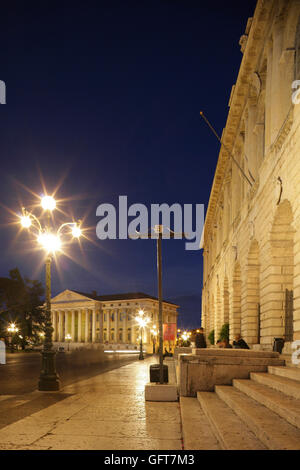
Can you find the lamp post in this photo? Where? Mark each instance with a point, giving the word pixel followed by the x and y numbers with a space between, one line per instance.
pixel 50 241
pixel 12 330
pixel 159 230
pixel 154 335
pixel 158 235
pixel 142 321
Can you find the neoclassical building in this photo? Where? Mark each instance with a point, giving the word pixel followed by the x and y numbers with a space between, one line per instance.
pixel 91 318
pixel 251 237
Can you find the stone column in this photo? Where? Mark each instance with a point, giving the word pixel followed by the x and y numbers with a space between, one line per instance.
pixel 79 334
pixel 116 325
pixel 101 322
pixel 73 326
pixel 133 328
pixel 86 335
pixel 108 325
pixel 66 324
pixel 94 326
pixel 60 325
pixel 125 340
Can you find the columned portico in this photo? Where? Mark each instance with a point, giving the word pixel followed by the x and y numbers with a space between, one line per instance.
pixel 79 338
pixel 109 319
pixel 86 328
pixel 93 326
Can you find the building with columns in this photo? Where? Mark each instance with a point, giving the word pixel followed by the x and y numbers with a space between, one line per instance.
pixel 110 319
pixel 251 237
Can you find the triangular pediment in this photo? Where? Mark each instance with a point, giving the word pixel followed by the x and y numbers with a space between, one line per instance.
pixel 69 296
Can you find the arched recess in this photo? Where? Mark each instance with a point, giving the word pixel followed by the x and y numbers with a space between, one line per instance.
pixel 277 304
pixel 235 308
pixel 226 300
pixel 251 299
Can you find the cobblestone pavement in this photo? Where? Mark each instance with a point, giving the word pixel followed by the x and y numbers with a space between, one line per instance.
pixel 104 412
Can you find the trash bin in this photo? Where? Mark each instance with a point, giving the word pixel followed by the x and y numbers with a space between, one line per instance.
pixel 278 345
pixel 154 373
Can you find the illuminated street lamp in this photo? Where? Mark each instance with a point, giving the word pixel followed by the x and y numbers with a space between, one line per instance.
pixel 184 336
pixel 50 241
pixel 12 330
pixel 142 322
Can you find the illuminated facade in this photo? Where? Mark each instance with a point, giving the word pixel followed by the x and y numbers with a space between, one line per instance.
pixel 109 319
pixel 251 237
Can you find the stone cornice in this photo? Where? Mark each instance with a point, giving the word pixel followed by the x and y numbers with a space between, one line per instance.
pixel 238 99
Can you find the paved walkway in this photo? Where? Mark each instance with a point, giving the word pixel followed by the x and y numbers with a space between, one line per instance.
pixel 105 412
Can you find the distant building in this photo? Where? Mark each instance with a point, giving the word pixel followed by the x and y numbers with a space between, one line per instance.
pixel 251 237
pixel 91 318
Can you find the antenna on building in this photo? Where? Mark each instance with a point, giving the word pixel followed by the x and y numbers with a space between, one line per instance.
pixel 227 150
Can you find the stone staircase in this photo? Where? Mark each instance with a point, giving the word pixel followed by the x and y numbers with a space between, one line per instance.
pixel 259 413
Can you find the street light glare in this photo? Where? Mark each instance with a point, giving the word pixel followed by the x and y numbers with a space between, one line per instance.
pixel 50 242
pixel 48 203
pixel 25 221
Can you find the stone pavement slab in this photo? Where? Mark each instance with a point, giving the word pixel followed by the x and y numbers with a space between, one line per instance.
pixel 104 412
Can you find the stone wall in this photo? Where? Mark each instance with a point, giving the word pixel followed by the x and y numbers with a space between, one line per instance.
pixel 252 231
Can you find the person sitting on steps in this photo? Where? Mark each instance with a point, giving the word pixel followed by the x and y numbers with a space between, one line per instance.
pixel 239 343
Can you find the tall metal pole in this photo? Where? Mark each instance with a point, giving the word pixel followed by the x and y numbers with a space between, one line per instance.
pixel 160 316
pixel 49 380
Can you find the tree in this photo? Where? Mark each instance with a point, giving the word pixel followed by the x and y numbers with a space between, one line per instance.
pixel 211 337
pixel 224 332
pixel 21 302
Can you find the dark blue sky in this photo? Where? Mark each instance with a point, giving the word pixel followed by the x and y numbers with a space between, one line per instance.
pixel 104 98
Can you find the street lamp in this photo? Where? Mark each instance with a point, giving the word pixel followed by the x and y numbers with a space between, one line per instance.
pixel 159 230
pixel 50 241
pixel 154 335
pixel 142 322
pixel 12 330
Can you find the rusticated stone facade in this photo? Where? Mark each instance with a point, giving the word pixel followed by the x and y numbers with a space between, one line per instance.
pixel 251 237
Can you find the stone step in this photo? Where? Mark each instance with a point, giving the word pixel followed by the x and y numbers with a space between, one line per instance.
pixel 288 372
pixel 272 430
pixel 281 384
pixel 228 427
pixel 196 429
pixel 286 407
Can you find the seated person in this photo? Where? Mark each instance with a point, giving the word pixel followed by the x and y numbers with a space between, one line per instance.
pixel 223 343
pixel 226 344
pixel 239 343
pixel 200 341
pixel 167 354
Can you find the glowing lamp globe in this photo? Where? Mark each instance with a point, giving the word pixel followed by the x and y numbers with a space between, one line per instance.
pixel 25 221
pixel 48 203
pixel 50 242
pixel 76 231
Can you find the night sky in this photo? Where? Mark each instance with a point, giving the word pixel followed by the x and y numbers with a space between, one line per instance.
pixel 103 99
